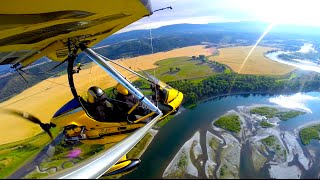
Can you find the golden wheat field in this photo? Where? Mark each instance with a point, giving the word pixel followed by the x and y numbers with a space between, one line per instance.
pixel 45 98
pixel 257 63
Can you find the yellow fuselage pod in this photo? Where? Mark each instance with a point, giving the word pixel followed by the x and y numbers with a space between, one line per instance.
pixel 123 166
pixel 94 129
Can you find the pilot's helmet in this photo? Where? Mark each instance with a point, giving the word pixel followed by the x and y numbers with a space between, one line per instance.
pixel 122 90
pixel 95 94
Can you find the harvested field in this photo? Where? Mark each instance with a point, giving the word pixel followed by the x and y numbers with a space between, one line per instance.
pixel 45 98
pixel 257 63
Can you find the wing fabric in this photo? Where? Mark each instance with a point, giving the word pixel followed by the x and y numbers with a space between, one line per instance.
pixel 32 29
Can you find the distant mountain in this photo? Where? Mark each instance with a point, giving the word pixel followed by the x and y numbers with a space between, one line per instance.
pixel 214 28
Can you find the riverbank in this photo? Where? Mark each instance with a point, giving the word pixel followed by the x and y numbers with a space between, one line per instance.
pixel 137 151
pixel 298 59
pixel 192 106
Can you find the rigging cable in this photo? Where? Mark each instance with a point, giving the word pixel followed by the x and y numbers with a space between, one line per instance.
pixel 154 70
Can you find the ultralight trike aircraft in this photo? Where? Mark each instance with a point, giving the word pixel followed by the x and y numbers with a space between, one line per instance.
pixel 60 30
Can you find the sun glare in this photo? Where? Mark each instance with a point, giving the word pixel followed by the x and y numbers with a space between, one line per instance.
pixel 301 12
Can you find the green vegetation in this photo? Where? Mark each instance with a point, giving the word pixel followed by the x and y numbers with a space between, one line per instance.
pixel 266 124
pixel 14 155
pixel 292 76
pixel 181 68
pixel 191 106
pixel 289 114
pixel 223 170
pixel 164 121
pixel 214 143
pixel 138 148
pixel 11 161
pixel 140 83
pixel 181 169
pixel 307 134
pixel 230 123
pixel 269 141
pixel 273 144
pixel 228 83
pixel 183 162
pixel 271 112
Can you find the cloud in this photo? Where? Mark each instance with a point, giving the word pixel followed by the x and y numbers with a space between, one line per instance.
pixel 211 11
pixel 151 24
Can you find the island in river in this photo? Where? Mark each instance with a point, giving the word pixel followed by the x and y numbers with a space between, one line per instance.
pixel 247 147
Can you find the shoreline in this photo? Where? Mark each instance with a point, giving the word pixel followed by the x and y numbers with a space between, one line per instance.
pixel 153 133
pixel 230 94
pixel 308 124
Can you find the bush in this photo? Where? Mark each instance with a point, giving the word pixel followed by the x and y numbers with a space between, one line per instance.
pixel 230 123
pixel 269 141
pixel 265 124
pixel 307 134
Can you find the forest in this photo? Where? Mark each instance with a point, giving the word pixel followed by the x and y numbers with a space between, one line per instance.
pixel 229 82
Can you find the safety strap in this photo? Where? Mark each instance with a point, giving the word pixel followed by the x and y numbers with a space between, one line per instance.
pixel 144 117
pixel 135 106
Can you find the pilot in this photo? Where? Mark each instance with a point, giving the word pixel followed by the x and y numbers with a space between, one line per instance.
pixel 100 108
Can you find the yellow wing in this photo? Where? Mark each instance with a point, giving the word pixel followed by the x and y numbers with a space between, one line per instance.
pixel 32 29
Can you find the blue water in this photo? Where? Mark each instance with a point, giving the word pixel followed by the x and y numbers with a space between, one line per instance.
pixel 175 133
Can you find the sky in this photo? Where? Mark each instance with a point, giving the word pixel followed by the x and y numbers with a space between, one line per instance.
pixel 298 12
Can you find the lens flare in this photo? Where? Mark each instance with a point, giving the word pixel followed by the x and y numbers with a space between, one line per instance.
pixel 296 101
pixel 252 49
pixel 255 45
pixel 74 153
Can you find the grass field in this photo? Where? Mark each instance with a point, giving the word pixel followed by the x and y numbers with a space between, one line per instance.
pixel 13 155
pixel 257 63
pixel 45 98
pixel 188 69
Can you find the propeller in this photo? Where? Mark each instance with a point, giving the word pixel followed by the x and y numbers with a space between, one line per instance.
pixel 45 126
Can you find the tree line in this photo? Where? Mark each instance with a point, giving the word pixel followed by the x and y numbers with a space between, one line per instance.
pixel 228 83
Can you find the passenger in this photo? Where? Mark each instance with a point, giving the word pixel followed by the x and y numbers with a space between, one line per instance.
pixel 99 106
pixel 126 101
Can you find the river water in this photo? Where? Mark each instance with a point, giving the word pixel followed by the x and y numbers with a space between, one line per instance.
pixel 299 63
pixel 181 128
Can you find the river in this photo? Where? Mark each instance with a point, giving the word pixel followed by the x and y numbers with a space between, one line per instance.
pixel 181 128
pixel 299 63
